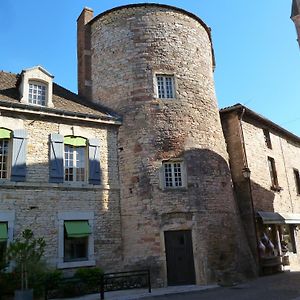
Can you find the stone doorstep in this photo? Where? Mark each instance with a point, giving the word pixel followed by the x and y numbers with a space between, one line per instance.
pixel 143 293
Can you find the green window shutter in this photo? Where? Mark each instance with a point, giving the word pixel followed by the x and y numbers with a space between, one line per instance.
pixel 75 141
pixel 77 229
pixel 3 232
pixel 5 133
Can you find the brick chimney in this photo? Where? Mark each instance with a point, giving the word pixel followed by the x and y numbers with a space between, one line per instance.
pixel 295 16
pixel 84 53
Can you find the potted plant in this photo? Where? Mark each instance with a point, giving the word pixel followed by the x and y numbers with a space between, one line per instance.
pixel 25 252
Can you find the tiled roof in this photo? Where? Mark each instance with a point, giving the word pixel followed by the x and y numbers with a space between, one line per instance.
pixel 264 121
pixel 63 100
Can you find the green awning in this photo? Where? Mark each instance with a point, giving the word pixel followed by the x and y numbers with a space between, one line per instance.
pixel 76 141
pixel 3 232
pixel 77 229
pixel 5 133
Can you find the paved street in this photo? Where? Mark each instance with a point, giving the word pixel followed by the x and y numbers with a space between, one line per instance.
pixel 284 286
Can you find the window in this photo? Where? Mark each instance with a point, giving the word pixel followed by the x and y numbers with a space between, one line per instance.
pixel 3 241
pixel 7 219
pixel 267 138
pixel 288 238
pixel 165 86
pixel 13 147
pixel 173 174
pixel 76 235
pixel 74 159
pixel 273 174
pixel 76 239
pixel 4 153
pixel 297 180
pixel 37 94
pixel 75 163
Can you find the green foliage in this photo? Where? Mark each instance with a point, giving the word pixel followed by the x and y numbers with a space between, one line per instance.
pixel 89 276
pixel 26 252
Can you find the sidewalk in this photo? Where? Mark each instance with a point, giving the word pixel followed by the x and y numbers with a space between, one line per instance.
pixel 143 293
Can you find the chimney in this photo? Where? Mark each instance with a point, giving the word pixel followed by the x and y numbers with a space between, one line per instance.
pixel 295 16
pixel 84 53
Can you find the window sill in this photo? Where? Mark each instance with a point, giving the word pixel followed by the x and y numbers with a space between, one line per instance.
pixel 76 264
pixel 60 186
pixel 276 188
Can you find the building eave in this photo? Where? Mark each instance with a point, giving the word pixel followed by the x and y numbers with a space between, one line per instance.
pixel 239 108
pixel 55 113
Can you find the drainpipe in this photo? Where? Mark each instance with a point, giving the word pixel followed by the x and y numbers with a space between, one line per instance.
pixel 246 174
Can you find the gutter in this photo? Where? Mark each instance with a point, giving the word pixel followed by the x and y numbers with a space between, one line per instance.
pixel 48 112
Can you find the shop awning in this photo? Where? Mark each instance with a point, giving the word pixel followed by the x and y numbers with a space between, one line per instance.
pixel 278 218
pixel 3 232
pixel 77 229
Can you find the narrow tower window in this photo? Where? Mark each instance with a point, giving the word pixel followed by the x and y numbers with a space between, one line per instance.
pixel 297 180
pixel 173 177
pixel 267 138
pixel 273 173
pixel 165 86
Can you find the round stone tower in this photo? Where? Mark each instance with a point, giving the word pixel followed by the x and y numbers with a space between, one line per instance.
pixel 153 64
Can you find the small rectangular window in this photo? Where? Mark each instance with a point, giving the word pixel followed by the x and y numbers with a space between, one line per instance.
pixel 297 181
pixel 37 94
pixel 3 241
pixel 76 236
pixel 173 176
pixel 273 173
pixel 267 138
pixel 165 86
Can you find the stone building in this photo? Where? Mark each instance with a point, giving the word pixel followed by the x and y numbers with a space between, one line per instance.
pixel 269 199
pixel 153 64
pixel 133 172
pixel 58 170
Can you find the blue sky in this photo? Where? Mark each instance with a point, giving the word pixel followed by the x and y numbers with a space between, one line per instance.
pixel 257 56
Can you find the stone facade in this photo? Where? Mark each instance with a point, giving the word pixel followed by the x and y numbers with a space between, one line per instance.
pixel 245 133
pixel 129 47
pixel 36 203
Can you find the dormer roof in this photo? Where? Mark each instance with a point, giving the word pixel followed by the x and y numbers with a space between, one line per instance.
pixel 40 68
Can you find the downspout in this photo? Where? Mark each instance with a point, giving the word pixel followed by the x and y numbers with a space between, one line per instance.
pixel 246 167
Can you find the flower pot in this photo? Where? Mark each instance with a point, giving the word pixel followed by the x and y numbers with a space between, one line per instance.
pixel 24 294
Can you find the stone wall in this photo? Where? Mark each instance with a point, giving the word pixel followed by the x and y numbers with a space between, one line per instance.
pixel 37 203
pixel 254 154
pixel 129 46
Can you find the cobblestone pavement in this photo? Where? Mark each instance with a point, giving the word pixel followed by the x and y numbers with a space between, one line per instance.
pixel 284 286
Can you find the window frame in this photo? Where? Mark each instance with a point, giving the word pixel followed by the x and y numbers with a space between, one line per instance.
pixel 8 217
pixel 165 86
pixel 8 162
pixel 183 178
pixel 74 167
pixel 267 138
pixel 71 216
pixel 273 174
pixel 297 180
pixel 38 84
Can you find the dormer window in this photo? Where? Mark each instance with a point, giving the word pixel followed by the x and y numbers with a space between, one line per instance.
pixel 37 93
pixel 36 87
